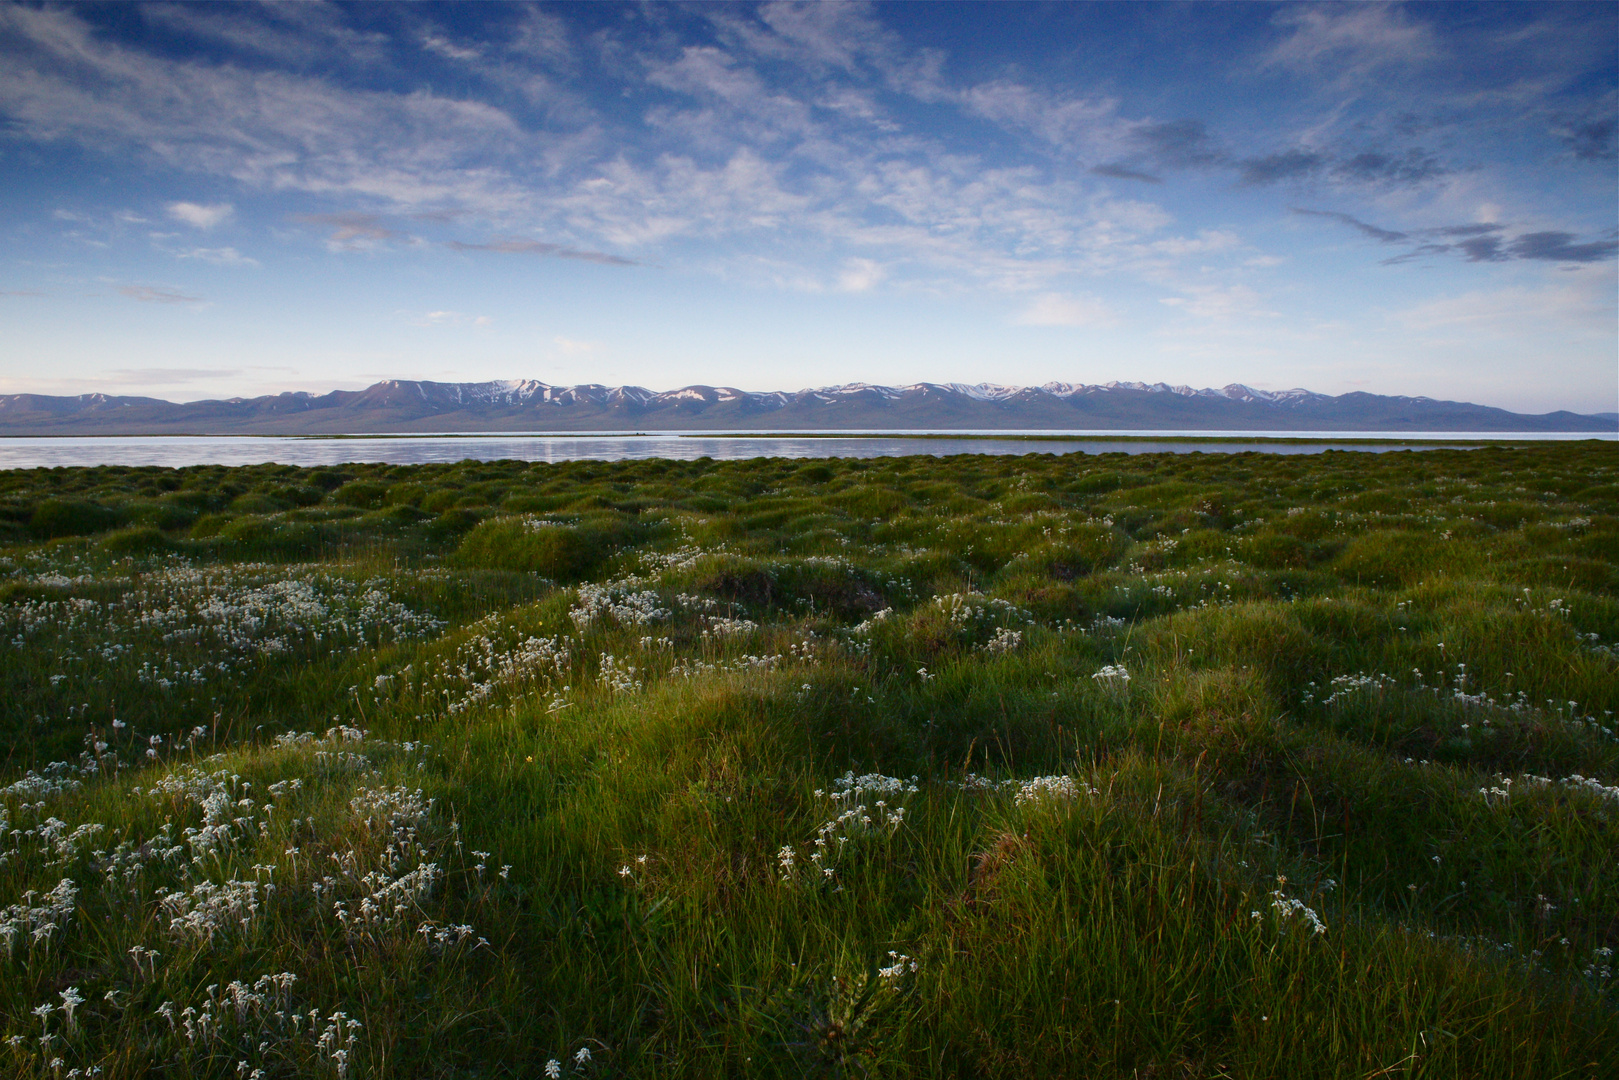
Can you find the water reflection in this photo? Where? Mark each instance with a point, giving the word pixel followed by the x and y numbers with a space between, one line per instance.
pixel 177 450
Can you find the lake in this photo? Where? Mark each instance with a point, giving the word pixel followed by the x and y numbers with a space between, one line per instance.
pixel 177 450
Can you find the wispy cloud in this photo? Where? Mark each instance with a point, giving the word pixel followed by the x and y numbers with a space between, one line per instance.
pixel 169 376
pixel 200 215
pixel 1180 144
pixel 353 231
pixel 443 46
pixel 1120 172
pixel 1591 138
pixel 572 347
pixel 1220 302
pixel 220 256
pixel 1056 309
pixel 1387 236
pixel 540 247
pixel 861 275
pixel 1350 40
pixel 1287 165
pixel 1561 247
pixel 151 294
pixel 446 317
pixel 1588 304
pixel 297 34
pixel 1480 241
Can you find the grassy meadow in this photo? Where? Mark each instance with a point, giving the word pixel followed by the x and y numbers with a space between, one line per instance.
pixel 1088 766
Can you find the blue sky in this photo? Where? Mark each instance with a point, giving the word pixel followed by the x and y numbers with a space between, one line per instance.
pixel 211 200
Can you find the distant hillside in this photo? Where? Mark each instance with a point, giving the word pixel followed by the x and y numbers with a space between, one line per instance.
pixel 526 405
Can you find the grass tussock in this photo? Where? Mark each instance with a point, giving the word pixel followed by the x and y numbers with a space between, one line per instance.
pixel 1202 766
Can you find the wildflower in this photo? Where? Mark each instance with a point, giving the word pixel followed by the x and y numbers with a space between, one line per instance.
pixel 71 1000
pixel 582 1056
pixel 553 1069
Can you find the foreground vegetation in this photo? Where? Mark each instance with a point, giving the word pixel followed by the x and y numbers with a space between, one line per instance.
pixel 1164 765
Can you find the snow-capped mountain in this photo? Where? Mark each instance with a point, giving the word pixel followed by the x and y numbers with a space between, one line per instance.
pixel 529 405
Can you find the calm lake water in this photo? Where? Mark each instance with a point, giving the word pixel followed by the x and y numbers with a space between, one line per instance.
pixel 175 450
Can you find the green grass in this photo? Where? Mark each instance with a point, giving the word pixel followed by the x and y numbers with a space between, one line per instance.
pixel 1225 765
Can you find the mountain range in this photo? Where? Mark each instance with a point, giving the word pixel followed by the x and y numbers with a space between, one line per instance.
pixel 527 405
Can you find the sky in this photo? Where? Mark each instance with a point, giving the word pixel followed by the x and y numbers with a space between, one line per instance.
pixel 212 200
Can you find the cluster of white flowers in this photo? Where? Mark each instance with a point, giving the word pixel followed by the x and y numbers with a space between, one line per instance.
pixel 850 788
pixel 1593 787
pixel 1286 907
pixel 385 898
pixel 729 627
pixel 38 918
pixel 692 668
pixel 51 838
pixel 486 668
pixel 55 779
pixel 1048 789
pixel 682 558
pixel 237 1001
pixel 207 909
pixel 1593 642
pixel 856 820
pixel 899 965
pixel 617 676
pixel 1343 687
pixel 245 609
pixel 382 879
pixel 1039 790
pixel 876 619
pixel 441 939
pixel 1501 791
pixel 396 812
pixel 1113 676
pixel 229 816
pixel 1601 966
pixel 336 1041
pixel 71 1000
pixel 969 609
pixel 382 899
pixel 1005 640
pixel 581 1058
pixel 614 601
